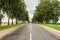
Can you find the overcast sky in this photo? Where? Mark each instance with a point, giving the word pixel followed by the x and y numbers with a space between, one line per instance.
pixel 31 4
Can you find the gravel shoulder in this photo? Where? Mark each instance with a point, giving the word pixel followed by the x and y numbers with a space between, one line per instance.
pixel 55 33
pixel 6 32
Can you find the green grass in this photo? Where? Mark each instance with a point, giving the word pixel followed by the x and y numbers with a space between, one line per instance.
pixel 8 26
pixel 55 26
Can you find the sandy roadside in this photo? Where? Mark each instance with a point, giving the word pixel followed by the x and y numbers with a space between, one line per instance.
pixel 6 32
pixel 55 33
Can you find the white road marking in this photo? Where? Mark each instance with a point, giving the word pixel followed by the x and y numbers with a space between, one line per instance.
pixel 30 32
pixel 30 36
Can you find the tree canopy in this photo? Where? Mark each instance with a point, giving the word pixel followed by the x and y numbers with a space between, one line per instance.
pixel 46 10
pixel 14 9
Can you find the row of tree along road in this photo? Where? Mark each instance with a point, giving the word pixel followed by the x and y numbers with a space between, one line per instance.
pixel 15 9
pixel 47 11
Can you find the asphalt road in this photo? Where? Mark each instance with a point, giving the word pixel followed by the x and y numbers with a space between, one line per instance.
pixel 30 32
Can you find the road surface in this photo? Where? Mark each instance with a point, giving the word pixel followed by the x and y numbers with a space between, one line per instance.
pixel 30 32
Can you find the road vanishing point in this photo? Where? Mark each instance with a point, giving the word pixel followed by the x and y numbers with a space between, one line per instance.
pixel 29 32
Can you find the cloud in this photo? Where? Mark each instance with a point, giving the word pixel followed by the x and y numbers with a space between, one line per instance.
pixel 31 4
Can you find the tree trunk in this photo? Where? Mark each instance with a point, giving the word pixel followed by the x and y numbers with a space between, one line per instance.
pixel 0 19
pixel 16 21
pixel 12 21
pixel 8 20
pixel 44 20
pixel 0 22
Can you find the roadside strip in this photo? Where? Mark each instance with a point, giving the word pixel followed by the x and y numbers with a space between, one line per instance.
pixel 55 33
pixel 6 32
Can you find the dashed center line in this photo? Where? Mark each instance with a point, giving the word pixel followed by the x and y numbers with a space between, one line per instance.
pixel 30 36
pixel 30 32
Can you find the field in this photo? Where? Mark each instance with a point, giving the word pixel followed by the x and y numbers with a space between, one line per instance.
pixel 5 23
pixel 5 26
pixel 55 26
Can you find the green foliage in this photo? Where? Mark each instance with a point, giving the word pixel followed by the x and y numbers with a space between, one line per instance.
pixel 13 8
pixel 46 10
pixel 24 16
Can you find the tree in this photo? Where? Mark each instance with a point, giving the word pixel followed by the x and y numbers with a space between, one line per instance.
pixel 46 10
pixel 13 8
pixel 1 16
pixel 24 16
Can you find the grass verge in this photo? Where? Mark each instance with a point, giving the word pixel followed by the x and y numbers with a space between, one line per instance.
pixel 55 26
pixel 8 26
